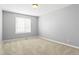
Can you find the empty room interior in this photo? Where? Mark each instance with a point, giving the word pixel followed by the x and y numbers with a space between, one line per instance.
pixel 39 29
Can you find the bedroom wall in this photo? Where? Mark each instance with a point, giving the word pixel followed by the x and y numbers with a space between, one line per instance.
pixel 0 24
pixel 9 25
pixel 61 25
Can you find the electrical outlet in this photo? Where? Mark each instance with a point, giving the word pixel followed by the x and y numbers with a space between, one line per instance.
pixel 68 41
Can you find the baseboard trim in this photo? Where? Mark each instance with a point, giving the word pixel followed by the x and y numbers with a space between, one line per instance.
pixel 59 42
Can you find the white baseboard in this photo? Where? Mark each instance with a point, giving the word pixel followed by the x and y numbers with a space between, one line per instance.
pixel 59 42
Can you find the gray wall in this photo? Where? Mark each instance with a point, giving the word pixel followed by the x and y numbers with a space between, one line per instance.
pixel 9 25
pixel 0 24
pixel 61 25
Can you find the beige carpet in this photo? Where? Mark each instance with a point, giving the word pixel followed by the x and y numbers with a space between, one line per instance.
pixel 35 46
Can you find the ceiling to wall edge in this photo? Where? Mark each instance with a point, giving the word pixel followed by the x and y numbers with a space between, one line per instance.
pixel 55 10
pixel 18 13
pixel 34 15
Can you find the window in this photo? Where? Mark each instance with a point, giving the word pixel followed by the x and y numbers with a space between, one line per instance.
pixel 23 25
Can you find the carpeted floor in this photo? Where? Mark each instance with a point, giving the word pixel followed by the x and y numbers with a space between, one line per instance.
pixel 35 46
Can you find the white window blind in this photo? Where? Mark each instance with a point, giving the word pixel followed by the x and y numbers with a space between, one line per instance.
pixel 23 25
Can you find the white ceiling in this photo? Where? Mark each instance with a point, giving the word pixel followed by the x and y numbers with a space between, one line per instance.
pixel 27 8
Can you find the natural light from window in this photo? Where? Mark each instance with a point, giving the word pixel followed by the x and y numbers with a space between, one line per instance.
pixel 23 25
